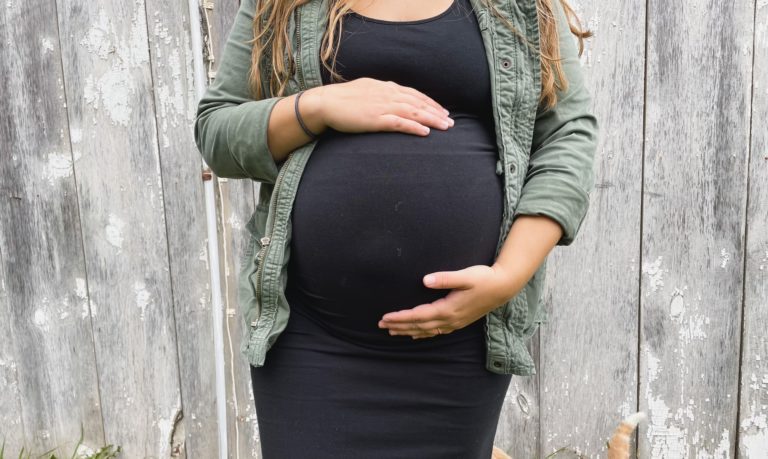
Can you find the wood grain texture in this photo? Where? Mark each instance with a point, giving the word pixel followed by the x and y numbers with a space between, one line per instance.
pixel 175 104
pixel 12 430
pixel 105 306
pixel 235 202
pixel 589 346
pixel 695 168
pixel 119 185
pixel 753 413
pixel 47 356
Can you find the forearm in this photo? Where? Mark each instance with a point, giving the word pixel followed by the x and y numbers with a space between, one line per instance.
pixel 285 133
pixel 530 240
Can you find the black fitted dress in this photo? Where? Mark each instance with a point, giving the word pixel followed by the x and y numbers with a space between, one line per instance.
pixel 374 213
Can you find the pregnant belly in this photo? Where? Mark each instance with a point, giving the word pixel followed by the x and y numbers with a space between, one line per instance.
pixel 375 212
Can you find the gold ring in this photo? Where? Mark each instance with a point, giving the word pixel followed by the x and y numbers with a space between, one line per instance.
pixel 438 331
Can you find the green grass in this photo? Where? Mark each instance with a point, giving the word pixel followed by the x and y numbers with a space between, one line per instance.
pixel 105 452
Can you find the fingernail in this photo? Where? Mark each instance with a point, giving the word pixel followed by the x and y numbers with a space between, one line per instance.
pixel 429 280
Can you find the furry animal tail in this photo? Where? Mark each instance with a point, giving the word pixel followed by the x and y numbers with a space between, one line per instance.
pixel 498 453
pixel 618 445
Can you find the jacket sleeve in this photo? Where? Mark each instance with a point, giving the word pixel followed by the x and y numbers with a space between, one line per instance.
pixel 231 127
pixel 560 173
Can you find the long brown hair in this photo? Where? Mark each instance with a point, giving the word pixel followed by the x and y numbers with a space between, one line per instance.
pixel 273 15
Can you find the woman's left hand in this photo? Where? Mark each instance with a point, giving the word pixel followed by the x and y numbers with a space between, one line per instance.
pixel 476 290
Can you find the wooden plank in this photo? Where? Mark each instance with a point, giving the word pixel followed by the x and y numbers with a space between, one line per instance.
pixel 697 142
pixel 589 346
pixel 175 101
pixel 47 353
pixel 109 92
pixel 12 430
pixel 753 414
pixel 235 202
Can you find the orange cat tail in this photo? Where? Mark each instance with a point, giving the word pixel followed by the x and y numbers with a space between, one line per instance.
pixel 618 445
pixel 499 453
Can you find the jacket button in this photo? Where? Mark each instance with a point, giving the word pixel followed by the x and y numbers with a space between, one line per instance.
pixel 497 364
pixel 512 168
pixel 506 63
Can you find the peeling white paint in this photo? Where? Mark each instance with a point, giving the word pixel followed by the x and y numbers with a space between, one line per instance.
pixel 235 222
pixel 114 231
pixel 115 88
pixel 165 426
pixel 47 45
pixel 655 274
pixel 99 39
pixel 754 436
pixel 76 135
pixel 40 319
pixel 57 167
pixel 84 451
pixel 161 32
pixel 721 451
pixel 203 254
pixel 653 365
pixel 82 292
pixel 114 91
pixel 63 308
pixel 692 329
pixel 143 297
pixel 724 257
pixel 625 409
pixel 666 439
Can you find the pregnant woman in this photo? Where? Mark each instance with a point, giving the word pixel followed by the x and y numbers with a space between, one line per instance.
pixel 376 361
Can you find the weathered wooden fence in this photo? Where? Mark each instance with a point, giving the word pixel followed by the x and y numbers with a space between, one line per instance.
pixel 106 310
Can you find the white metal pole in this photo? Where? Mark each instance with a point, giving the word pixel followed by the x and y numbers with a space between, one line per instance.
pixel 217 306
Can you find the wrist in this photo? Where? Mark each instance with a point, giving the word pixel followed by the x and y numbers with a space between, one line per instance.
pixel 311 109
pixel 511 281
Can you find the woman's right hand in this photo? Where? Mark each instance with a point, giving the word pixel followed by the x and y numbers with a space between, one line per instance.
pixel 369 105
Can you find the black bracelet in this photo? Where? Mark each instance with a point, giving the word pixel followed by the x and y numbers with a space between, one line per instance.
pixel 311 134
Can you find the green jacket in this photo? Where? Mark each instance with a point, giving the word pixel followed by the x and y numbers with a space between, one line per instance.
pixel 546 158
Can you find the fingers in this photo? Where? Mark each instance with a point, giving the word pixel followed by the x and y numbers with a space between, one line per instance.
pixel 423 97
pixel 423 113
pixel 389 122
pixel 409 105
pixel 404 117
pixel 420 313
pixel 419 97
pixel 423 329
pixel 460 279
pixel 429 326
pixel 421 321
